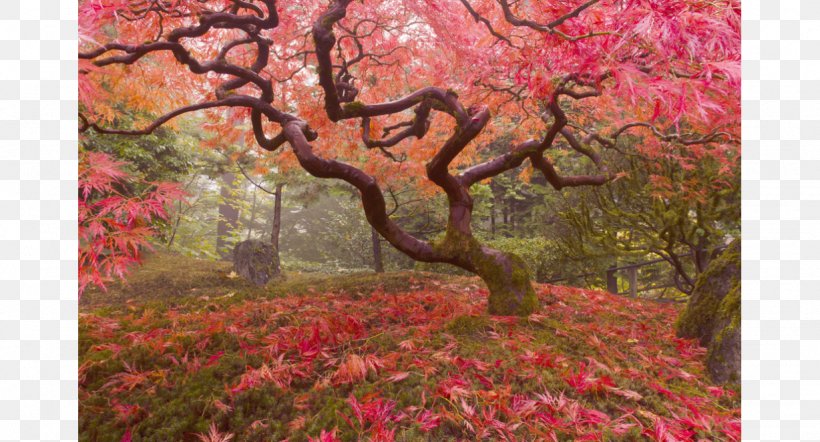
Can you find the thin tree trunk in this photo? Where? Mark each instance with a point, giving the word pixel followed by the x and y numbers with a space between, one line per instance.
pixel 633 282
pixel 492 220
pixel 228 214
pixel 378 263
pixel 701 256
pixel 253 214
pixel 512 217
pixel 277 225
pixel 177 220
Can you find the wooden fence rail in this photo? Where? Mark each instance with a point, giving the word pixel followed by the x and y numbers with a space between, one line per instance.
pixel 631 276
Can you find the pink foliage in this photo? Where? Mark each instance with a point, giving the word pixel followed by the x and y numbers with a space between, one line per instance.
pixel 114 227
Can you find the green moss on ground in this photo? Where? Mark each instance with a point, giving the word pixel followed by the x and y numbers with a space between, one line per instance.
pixel 359 284
pixel 469 325
pixel 168 279
pixel 427 332
pixel 168 276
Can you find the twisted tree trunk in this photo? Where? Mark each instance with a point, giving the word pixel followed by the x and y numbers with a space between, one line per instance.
pixel 506 275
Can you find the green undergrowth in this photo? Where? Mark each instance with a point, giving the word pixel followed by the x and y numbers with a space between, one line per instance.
pixel 360 284
pixel 172 278
pixel 168 276
pixel 403 356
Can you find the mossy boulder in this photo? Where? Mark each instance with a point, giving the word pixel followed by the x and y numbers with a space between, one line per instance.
pixel 255 261
pixel 723 359
pixel 713 315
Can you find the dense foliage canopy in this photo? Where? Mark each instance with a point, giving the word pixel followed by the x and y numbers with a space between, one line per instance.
pixel 114 220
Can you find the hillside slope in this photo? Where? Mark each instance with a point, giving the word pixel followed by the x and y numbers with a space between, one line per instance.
pixel 347 360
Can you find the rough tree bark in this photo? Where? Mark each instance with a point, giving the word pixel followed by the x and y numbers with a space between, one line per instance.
pixel 713 315
pixel 506 275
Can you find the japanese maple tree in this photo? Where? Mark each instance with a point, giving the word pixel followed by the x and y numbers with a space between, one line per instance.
pixel 114 224
pixel 365 91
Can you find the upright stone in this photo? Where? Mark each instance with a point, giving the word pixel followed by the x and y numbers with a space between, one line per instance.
pixel 255 261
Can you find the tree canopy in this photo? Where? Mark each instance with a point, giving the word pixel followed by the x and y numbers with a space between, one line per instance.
pixel 415 90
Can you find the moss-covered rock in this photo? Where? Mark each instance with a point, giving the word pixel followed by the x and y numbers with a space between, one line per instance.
pixel 256 261
pixel 723 359
pixel 713 315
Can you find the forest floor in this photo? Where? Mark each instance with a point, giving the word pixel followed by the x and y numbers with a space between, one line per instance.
pixel 187 351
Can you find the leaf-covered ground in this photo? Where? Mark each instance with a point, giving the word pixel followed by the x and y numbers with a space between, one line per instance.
pixel 418 363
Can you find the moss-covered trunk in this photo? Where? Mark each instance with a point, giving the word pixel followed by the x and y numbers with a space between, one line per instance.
pixel 506 275
pixel 508 279
pixel 713 315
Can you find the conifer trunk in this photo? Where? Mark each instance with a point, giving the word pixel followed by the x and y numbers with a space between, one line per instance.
pixel 253 215
pixel 228 214
pixel 378 262
pixel 277 225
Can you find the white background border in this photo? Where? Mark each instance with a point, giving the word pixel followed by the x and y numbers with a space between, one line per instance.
pixel 781 220
pixel 38 220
